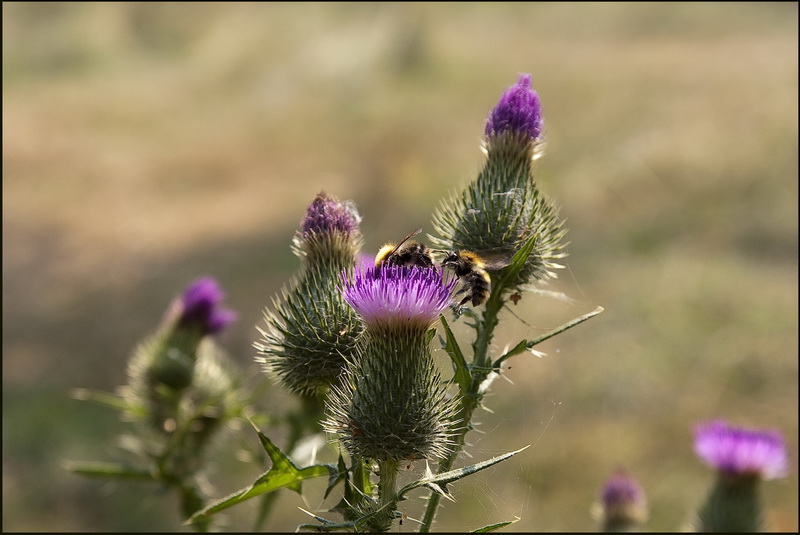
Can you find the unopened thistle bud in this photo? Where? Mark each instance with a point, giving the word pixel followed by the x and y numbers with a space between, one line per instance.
pixel 391 404
pixel 329 232
pixel 623 505
pixel 503 209
pixel 164 365
pixel 742 458
pixel 310 329
pixel 518 111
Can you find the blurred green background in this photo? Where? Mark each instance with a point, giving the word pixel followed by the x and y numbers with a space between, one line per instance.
pixel 147 144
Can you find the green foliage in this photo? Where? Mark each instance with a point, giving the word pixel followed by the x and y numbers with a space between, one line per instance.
pixel 282 474
pixel 109 470
pixel 528 345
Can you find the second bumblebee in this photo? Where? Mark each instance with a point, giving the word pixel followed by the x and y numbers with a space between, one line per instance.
pixel 471 269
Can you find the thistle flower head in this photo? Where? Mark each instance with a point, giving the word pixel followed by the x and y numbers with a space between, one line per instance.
pixel 518 110
pixel 390 403
pixel 739 451
pixel 199 307
pixel 329 237
pixel 398 295
pixel 310 330
pixel 502 210
pixel 326 215
pixel 623 501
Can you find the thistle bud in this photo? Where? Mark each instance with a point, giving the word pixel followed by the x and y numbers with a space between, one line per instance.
pixel 199 308
pixel 329 233
pixel 742 458
pixel 503 209
pixel 310 330
pixel 164 365
pixel 518 111
pixel 391 404
pixel 623 504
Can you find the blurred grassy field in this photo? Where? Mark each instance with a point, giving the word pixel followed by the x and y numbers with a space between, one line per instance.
pixel 147 144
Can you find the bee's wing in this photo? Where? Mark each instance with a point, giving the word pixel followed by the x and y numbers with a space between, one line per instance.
pixel 495 261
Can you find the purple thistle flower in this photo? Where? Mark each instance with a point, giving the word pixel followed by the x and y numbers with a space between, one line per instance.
pixel 624 502
pixel 739 451
pixel 199 307
pixel 622 491
pixel 397 295
pixel 518 110
pixel 327 215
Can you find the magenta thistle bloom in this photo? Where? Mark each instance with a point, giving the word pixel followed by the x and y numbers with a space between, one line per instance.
pixel 518 110
pixel 624 505
pixel 739 451
pixel 200 307
pixel 622 491
pixel 397 295
pixel 327 215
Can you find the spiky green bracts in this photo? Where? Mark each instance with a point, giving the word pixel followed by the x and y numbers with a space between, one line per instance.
pixel 310 330
pixel 502 210
pixel 391 404
pixel 179 376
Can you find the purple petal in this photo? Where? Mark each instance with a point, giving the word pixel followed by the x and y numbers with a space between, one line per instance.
pixel 200 306
pixel 740 451
pixel 518 110
pixel 325 214
pixel 399 294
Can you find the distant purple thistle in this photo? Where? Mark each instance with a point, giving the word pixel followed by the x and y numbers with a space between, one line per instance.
pixel 622 492
pixel 398 295
pixel 519 110
pixel 326 215
pixel 739 451
pixel 199 307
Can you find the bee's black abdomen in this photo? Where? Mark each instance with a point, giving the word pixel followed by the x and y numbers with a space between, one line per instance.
pixel 415 254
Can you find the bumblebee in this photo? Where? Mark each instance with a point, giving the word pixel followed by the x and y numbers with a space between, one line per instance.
pixel 471 269
pixel 405 253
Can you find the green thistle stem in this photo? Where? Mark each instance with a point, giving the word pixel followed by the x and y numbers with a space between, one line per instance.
pixel 387 489
pixel 175 466
pixel 733 505
pixel 480 369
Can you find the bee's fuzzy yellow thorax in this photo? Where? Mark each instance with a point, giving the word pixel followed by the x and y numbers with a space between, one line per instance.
pixel 477 260
pixel 383 253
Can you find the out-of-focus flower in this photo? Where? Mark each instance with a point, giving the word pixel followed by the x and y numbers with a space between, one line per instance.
pixel 623 504
pixel 163 371
pixel 200 309
pixel 743 458
pixel 739 451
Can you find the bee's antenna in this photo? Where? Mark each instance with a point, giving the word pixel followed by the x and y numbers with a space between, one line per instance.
pixel 401 242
